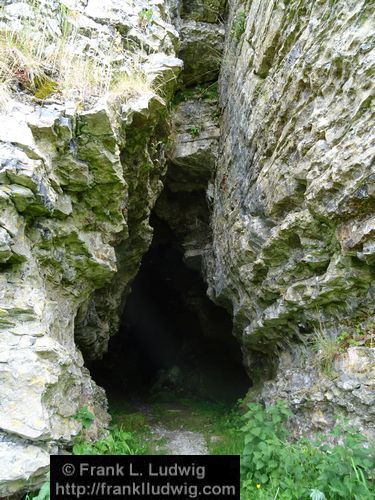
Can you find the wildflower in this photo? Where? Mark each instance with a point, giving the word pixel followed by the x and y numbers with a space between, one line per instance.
pixel 259 486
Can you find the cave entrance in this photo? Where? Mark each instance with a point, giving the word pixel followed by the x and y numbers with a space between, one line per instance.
pixel 172 337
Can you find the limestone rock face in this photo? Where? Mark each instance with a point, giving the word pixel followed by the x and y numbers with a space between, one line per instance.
pixel 77 184
pixel 200 24
pixel 275 207
pixel 201 50
pixel 19 462
pixel 210 11
pixel 195 151
pixel 192 160
pixel 348 392
pixel 293 211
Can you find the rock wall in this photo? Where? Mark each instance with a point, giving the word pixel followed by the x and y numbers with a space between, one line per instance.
pixel 293 211
pixel 78 181
pixel 195 117
pixel 275 207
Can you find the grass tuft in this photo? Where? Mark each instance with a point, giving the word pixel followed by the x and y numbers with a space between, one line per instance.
pixel 326 347
pixel 44 64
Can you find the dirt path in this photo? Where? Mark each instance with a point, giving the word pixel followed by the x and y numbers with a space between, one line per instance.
pixel 175 425
pixel 168 434
pixel 178 442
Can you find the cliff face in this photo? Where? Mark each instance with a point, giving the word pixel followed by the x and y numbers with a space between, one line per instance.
pixel 270 196
pixel 293 210
pixel 79 178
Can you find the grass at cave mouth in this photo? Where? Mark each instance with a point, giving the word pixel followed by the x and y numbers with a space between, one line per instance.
pixel 217 422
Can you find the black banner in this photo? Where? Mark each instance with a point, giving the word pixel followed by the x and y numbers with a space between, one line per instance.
pixel 153 477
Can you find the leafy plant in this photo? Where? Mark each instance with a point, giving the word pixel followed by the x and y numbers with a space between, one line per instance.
pixel 264 438
pixel 317 495
pixel 239 25
pixel 118 442
pixel 42 494
pixel 85 417
pixel 357 335
pixel 273 467
pixel 195 131
pixel 146 16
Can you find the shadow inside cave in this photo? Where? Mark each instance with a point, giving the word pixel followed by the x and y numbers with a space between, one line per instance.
pixel 172 337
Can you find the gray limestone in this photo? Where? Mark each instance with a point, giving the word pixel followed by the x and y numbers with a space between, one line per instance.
pixel 293 203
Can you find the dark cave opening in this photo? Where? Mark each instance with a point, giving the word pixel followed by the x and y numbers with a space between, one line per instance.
pixel 172 337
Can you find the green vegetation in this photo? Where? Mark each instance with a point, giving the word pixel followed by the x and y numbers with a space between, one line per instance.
pixel 357 335
pixel 42 494
pixel 203 91
pixel 85 417
pixel 146 16
pixel 36 61
pixel 32 62
pixel 220 425
pixel 338 466
pixel 328 346
pixel 239 25
pixel 195 131
pixel 226 436
pixel 117 442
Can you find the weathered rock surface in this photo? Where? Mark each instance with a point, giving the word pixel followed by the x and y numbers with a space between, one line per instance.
pixel 19 462
pixel 293 212
pixel 76 190
pixel 201 50
pixel 209 11
pixel 192 160
pixel 200 24
pixel 348 392
pixel 183 203
pixel 290 244
pixel 195 151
